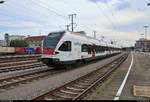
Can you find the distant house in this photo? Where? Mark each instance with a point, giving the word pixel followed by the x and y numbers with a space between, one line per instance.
pixel 142 45
pixel 2 43
pixel 35 41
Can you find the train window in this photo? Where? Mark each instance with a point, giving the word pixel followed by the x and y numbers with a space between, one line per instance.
pixel 89 49
pixel 84 48
pixel 96 49
pixel 106 48
pixel 66 46
pixel 52 40
pixel 102 49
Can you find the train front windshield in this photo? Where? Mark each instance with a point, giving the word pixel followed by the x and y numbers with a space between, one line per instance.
pixel 52 40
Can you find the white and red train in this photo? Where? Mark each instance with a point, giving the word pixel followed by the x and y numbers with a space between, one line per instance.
pixel 64 47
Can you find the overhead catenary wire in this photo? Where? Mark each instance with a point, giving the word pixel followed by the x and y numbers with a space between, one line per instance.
pixel 55 12
pixel 108 19
pixel 27 14
pixel 50 10
pixel 84 25
pixel 43 5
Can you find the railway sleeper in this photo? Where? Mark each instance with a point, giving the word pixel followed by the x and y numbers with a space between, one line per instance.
pixel 69 92
pixel 79 86
pixel 75 89
pixel 63 96
pixel 53 97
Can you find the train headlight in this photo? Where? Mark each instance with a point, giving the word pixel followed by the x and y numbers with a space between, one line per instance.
pixel 56 52
pixel 56 60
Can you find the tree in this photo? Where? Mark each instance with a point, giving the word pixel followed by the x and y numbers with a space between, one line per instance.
pixel 19 43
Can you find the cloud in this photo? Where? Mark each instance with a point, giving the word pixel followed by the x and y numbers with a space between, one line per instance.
pixel 103 1
pixel 27 17
pixel 123 4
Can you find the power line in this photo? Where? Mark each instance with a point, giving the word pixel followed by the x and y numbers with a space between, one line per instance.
pixel 105 16
pixel 50 10
pixel 76 11
pixel 112 13
pixel 56 10
pixel 71 24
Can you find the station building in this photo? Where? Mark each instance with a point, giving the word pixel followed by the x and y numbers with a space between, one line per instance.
pixel 2 43
pixel 142 45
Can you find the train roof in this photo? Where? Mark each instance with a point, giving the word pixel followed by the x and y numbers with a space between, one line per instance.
pixel 90 39
pixel 82 35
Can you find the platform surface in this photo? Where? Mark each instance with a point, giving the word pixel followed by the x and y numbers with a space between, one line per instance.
pixel 139 76
pixel 143 91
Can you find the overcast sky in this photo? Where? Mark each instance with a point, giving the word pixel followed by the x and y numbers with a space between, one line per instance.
pixel 115 19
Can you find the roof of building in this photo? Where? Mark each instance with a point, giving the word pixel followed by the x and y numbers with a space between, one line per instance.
pixel 35 38
pixel 17 36
pixel 143 40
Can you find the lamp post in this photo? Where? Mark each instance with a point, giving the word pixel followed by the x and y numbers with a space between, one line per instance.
pixel 145 38
pixel 145 31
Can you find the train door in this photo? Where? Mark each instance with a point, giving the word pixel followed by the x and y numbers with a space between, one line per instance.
pixel 93 50
pixel 76 50
pixel 66 50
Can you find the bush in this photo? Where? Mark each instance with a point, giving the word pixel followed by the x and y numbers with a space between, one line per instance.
pixel 19 43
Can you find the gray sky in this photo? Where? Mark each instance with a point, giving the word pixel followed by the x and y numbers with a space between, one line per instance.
pixel 121 20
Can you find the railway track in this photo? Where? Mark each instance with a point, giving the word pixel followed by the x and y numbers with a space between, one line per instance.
pixel 19 56
pixel 27 77
pixel 17 63
pixel 78 88
pixel 4 59
pixel 21 67
pixel 44 71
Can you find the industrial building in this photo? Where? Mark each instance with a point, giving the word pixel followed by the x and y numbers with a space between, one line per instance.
pixel 142 45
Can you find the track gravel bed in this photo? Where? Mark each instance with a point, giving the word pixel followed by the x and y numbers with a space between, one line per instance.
pixel 11 69
pixel 78 88
pixel 36 88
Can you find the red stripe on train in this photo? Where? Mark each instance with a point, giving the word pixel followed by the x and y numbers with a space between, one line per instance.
pixel 48 51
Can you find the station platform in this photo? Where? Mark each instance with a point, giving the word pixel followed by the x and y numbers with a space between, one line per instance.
pixel 137 85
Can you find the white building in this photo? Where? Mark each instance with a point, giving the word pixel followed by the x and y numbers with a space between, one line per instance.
pixel 2 43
